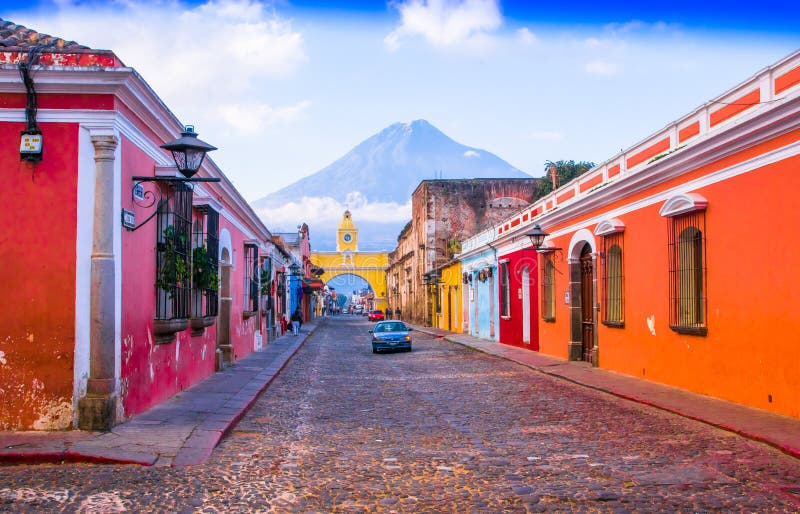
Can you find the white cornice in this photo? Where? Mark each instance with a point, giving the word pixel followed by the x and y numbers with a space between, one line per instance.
pixel 609 226
pixel 683 203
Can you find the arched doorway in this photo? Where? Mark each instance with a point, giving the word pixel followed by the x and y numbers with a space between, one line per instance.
pixel 526 306
pixel 583 297
pixel 587 303
pixel 224 347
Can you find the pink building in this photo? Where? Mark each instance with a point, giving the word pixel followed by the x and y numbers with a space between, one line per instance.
pixel 120 291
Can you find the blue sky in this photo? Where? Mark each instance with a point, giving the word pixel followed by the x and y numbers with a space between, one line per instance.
pixel 284 88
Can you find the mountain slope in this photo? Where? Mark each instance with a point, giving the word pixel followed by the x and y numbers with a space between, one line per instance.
pixel 388 166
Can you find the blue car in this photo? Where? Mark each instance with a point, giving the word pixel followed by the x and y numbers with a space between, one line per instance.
pixel 390 335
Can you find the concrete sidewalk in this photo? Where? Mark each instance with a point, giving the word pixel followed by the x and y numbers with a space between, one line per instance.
pixel 180 431
pixel 782 432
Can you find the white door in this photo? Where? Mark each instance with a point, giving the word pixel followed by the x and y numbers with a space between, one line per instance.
pixel 526 306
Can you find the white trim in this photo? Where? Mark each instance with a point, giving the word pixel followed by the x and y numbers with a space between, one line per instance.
pixel 576 243
pixel 83 252
pixel 609 226
pixel 683 203
pixel 225 242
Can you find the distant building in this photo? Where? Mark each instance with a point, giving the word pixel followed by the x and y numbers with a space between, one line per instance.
pixel 443 213
pixel 348 260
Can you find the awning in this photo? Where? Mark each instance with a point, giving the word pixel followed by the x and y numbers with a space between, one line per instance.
pixel 312 284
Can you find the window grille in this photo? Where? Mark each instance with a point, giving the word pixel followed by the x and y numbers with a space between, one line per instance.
pixel 205 302
pixel 173 247
pixel 505 293
pixel 687 273
pixel 548 289
pixel 613 280
pixel 250 287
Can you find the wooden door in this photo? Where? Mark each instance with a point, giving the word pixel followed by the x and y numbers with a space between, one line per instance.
pixel 587 303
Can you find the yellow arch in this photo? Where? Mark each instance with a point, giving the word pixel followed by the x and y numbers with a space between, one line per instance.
pixel 371 266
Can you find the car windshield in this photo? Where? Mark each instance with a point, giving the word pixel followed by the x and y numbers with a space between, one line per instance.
pixel 391 327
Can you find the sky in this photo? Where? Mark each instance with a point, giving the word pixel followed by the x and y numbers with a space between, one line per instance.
pixel 283 88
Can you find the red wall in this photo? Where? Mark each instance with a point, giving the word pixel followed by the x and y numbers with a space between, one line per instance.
pixel 151 372
pixel 37 252
pixel 511 326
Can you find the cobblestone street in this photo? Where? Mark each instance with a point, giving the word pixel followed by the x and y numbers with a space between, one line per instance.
pixel 440 429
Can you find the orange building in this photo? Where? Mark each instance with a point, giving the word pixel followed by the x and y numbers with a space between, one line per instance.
pixel 676 260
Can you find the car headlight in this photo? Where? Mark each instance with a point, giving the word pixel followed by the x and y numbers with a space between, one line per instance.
pixel 407 338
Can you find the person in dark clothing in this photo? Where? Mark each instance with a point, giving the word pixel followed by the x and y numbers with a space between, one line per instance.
pixel 397 313
pixel 297 321
pixel 388 313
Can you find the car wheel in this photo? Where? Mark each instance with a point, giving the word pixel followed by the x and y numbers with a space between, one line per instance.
pixel 374 350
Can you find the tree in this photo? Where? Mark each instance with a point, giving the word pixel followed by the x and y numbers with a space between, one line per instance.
pixel 565 171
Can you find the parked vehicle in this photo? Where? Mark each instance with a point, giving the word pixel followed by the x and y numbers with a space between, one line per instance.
pixel 391 335
pixel 376 315
pixel 358 309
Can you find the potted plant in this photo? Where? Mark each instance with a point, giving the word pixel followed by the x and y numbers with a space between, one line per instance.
pixel 204 278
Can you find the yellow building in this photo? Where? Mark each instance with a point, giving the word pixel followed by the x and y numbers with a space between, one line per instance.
pixel 445 290
pixel 347 260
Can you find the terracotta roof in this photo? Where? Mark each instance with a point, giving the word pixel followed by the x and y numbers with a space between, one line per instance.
pixel 19 37
pixel 17 41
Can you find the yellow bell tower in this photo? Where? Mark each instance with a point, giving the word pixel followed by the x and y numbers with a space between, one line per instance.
pixel 347 235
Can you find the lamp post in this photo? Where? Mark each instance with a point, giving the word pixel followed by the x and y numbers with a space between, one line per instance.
pixel 188 153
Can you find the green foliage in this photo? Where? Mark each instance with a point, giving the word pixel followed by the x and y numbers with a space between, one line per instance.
pixel 453 247
pixel 174 272
pixel 204 273
pixel 266 282
pixel 565 172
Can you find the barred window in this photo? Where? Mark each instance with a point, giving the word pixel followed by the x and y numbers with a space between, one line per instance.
pixel 613 281
pixel 505 290
pixel 687 273
pixel 173 247
pixel 250 287
pixel 205 263
pixel 548 288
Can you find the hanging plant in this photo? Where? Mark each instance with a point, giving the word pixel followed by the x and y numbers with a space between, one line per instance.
pixel 204 272
pixel 174 271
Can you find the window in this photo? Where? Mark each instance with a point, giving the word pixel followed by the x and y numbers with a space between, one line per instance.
pixel 250 287
pixel 173 247
pixel 687 273
pixel 548 288
pixel 205 263
pixel 613 283
pixel 505 293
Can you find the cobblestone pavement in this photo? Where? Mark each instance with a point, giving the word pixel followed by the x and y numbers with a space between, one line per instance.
pixel 440 429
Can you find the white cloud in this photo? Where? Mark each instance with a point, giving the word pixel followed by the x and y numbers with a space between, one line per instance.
pixel 602 68
pixel 471 154
pixel 250 118
pixel 316 211
pixel 465 24
pixel 526 37
pixel 189 56
pixel 544 135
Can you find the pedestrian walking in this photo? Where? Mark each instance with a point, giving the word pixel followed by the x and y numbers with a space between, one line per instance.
pixel 388 313
pixel 297 321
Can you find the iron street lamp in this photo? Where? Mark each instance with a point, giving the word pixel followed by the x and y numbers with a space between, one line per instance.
pixel 188 151
pixel 537 236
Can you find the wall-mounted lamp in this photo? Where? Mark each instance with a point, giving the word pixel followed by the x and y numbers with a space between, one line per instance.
pixel 188 153
pixel 537 237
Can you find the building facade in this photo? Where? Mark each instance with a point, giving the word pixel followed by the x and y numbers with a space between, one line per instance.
pixel 130 283
pixel 348 260
pixel 669 261
pixel 444 213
